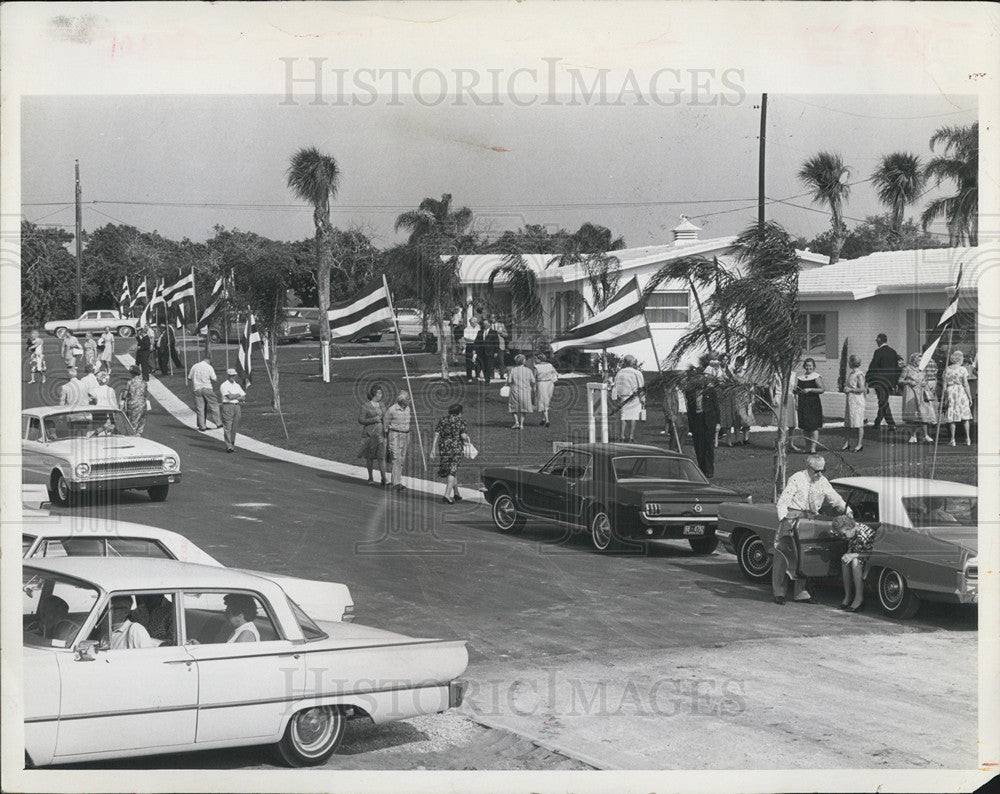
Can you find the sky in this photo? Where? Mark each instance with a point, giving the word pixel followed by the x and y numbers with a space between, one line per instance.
pixel 180 165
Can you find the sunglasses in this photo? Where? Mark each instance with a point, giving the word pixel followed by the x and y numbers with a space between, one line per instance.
pixel 817 471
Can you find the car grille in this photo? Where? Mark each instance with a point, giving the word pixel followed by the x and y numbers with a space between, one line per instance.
pixel 126 466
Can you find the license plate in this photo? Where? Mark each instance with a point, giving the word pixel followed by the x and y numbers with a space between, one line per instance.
pixel 694 529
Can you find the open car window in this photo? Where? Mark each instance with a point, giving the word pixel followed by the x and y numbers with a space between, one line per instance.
pixel 864 506
pixel 207 621
pixel 571 464
pixel 653 468
pixel 942 511
pixel 54 608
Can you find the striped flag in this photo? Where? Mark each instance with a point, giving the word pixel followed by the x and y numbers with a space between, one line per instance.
pixel 125 301
pixel 249 336
pixel 178 293
pixel 620 322
pixel 367 310
pixel 214 303
pixel 155 301
pixel 952 309
pixel 140 295
pixel 925 359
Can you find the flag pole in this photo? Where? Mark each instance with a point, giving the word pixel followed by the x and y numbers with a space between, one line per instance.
pixel 194 304
pixel 937 431
pixel 406 373
pixel 267 369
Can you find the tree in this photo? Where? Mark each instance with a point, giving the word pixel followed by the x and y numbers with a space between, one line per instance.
pixel 899 181
pixel 697 271
pixel 522 282
pixel 116 251
pixel 48 274
pixel 875 233
pixel 826 177
pixel 315 178
pixel 590 247
pixel 959 162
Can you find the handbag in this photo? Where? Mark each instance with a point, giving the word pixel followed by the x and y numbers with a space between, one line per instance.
pixel 469 450
pixel 505 390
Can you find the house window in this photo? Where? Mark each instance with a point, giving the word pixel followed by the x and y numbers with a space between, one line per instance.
pixel 813 330
pixel 567 310
pixel 668 307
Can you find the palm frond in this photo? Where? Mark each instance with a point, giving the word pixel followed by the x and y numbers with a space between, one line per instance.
pixel 313 177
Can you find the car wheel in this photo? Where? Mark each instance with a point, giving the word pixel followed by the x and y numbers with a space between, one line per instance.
pixel 754 560
pixel 158 493
pixel 505 515
pixel 312 735
pixel 894 595
pixel 704 545
pixel 63 493
pixel 61 332
pixel 214 337
pixel 125 331
pixel 602 533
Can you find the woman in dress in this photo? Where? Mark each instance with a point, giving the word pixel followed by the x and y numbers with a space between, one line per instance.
pixel 89 350
pixel 70 350
pixel 957 396
pixel 931 394
pixel 787 410
pixel 450 438
pixel 911 386
pixel 373 438
pixel 135 400
pixel 102 394
pixel 521 381
pixel 107 348
pixel 629 390
pixel 546 377
pixel 808 387
pixel 854 415
pixel 36 352
pixel 743 398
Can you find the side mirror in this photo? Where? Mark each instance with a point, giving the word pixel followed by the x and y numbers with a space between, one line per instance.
pixel 86 651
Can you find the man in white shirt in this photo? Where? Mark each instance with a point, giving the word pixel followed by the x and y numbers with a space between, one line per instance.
pixel 804 495
pixel 232 396
pixel 396 423
pixel 71 392
pixel 88 383
pixel 203 379
pixel 124 632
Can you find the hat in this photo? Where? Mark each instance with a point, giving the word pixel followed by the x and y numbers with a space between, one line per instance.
pixel 135 369
pixel 231 371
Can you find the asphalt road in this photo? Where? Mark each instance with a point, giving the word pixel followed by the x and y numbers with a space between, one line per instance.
pixel 539 601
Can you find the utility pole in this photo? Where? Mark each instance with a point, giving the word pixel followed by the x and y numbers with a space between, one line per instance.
pixel 760 165
pixel 79 244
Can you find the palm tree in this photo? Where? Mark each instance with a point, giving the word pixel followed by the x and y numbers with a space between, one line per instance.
pixel 899 181
pixel 959 163
pixel 315 177
pixel 697 271
pixel 522 282
pixel 826 177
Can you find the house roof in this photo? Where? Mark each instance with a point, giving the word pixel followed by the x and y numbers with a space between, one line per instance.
pixel 891 272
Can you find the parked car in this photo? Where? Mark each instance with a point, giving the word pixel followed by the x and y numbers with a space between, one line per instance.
pixel 48 536
pixel 75 450
pixel 311 316
pixel 188 688
pixel 96 320
pixel 411 323
pixel 615 492
pixel 925 544
pixel 293 329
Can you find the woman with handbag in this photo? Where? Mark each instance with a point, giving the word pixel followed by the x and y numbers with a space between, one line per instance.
pixel 451 442
pixel 520 385
pixel 912 383
pixel 373 442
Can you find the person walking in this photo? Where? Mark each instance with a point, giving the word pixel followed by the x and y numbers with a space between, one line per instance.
pixel 106 345
pixel 469 337
pixel 911 385
pixel 855 390
pixel 163 351
pixel 703 415
pixel 545 380
pixel 136 396
pixel 500 365
pixel 203 379
pixel 450 437
pixel 396 423
pixel 479 347
pixel 372 434
pixel 629 390
pixel 89 383
pixel 89 350
pixel 36 356
pixel 957 396
pixel 232 395
pixel 102 395
pixel 521 382
pixel 883 375
pixel 672 416
pixel 491 350
pixel 804 495
pixel 70 350
pixel 175 355
pixel 808 388
pixel 143 349
pixel 72 392
pixel 457 329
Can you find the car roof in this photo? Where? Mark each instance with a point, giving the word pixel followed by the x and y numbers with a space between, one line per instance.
pixel 610 449
pixel 911 486
pixel 143 573
pixel 43 411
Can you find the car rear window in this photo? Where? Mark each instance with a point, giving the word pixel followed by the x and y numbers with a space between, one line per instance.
pixel 942 511
pixel 653 468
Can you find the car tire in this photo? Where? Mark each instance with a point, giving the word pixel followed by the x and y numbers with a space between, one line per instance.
pixel 61 332
pixel 505 516
pixel 894 596
pixel 125 331
pixel 754 560
pixel 158 493
pixel 602 532
pixel 312 735
pixel 704 545
pixel 63 493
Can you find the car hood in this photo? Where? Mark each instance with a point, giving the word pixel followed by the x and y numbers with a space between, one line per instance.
pixel 966 537
pixel 109 446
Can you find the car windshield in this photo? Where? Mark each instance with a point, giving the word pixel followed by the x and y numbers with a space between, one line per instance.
pixel 87 424
pixel 26 543
pixel 54 608
pixel 648 468
pixel 942 511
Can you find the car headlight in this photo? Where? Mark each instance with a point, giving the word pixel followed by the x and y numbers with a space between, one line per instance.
pixel 82 469
pixel 170 462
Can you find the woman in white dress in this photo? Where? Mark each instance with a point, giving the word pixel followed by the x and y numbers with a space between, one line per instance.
pixel 854 414
pixel 628 390
pixel 102 395
pixel 957 396
pixel 107 345
pixel 545 381
pixel 240 612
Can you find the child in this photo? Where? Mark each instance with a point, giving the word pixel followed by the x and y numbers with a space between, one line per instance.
pixel 852 565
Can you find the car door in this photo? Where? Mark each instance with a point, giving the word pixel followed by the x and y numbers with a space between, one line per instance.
pixel 565 494
pixel 127 698
pixel 820 549
pixel 33 466
pixel 246 688
pixel 539 487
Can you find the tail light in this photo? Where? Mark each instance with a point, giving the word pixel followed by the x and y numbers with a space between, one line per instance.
pixel 348 616
pixel 456 693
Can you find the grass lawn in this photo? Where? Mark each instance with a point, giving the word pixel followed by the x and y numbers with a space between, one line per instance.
pixel 322 420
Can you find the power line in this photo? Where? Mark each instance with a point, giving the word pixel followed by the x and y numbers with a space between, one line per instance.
pixel 886 118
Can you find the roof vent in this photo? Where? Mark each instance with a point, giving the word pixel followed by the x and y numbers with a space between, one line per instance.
pixel 685 233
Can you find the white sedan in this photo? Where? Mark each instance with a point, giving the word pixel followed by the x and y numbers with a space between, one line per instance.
pixel 74 450
pixel 96 320
pixel 137 657
pixel 46 536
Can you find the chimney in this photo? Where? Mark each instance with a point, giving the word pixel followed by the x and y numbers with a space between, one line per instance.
pixel 686 233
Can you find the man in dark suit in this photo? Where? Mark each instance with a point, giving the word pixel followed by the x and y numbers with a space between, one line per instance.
pixel 703 416
pixel 883 375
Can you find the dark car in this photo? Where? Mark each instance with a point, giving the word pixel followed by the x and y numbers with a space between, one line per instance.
pixel 291 330
pixel 616 492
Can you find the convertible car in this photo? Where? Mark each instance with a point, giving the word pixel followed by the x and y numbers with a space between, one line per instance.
pixel 615 492
pixel 97 686
pixel 82 449
pixel 925 540
pixel 54 536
